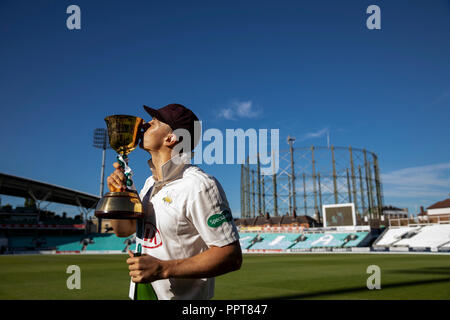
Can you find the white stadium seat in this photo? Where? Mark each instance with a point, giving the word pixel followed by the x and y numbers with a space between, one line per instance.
pixel 392 235
pixel 431 236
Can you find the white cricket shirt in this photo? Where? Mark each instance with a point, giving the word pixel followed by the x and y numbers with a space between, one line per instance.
pixel 185 213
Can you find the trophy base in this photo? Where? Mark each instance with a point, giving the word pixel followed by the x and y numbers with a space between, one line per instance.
pixel 118 215
pixel 120 205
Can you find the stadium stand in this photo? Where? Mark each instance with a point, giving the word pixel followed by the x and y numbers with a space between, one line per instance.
pixel 275 241
pixel 306 241
pixel 51 233
pixel 245 239
pixel 75 243
pixel 339 240
pixel 431 236
pixel 392 235
pixel 3 244
pixel 107 242
pixel 286 220
pixel 355 239
pixel 427 236
pixel 20 243
pixel 283 241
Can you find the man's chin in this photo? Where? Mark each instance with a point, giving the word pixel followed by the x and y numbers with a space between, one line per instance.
pixel 141 146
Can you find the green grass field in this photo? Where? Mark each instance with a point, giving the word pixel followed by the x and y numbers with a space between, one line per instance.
pixel 300 276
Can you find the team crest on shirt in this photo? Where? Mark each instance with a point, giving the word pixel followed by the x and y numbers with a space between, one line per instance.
pixel 152 237
pixel 167 199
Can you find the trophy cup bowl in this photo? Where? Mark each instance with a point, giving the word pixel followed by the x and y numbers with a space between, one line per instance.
pixel 124 132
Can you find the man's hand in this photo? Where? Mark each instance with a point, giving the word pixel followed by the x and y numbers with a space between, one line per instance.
pixel 145 268
pixel 116 180
pixel 116 183
pixel 210 263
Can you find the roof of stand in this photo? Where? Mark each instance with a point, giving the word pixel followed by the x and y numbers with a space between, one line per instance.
pixel 27 188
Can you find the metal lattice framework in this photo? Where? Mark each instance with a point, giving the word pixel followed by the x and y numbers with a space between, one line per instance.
pixel 308 178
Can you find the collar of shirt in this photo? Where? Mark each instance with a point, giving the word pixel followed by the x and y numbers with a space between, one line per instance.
pixel 171 170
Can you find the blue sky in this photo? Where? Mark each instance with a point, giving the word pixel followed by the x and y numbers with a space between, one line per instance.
pixel 303 67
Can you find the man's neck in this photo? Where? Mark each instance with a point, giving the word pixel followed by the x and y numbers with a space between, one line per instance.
pixel 158 159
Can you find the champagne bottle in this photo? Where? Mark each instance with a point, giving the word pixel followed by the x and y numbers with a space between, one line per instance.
pixel 143 291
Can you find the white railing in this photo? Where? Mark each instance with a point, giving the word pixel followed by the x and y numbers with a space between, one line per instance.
pixel 419 220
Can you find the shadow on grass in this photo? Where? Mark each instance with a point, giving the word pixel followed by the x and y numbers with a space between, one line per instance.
pixel 355 289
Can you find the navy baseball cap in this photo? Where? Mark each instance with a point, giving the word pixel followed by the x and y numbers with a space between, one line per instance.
pixel 177 116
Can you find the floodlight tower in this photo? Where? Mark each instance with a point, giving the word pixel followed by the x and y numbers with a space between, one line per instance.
pixel 101 142
pixel 290 141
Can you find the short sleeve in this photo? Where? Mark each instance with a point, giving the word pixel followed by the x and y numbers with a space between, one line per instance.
pixel 210 214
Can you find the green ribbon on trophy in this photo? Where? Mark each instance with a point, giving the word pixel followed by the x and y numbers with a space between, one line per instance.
pixel 123 162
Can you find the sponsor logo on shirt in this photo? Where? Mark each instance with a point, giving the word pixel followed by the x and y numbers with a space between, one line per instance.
pixel 152 238
pixel 216 220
